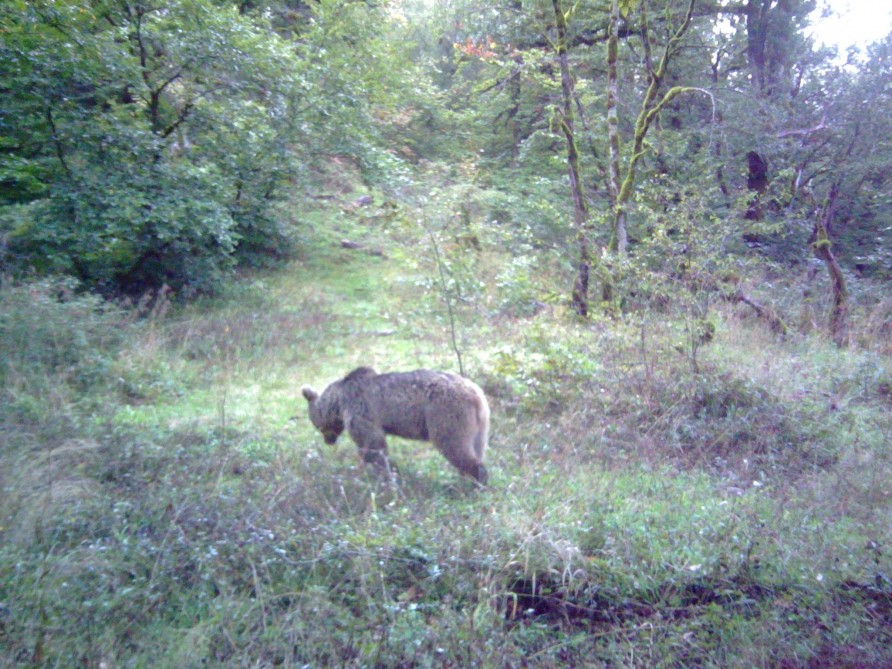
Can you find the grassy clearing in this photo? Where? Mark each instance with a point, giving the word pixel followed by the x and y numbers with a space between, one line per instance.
pixel 166 502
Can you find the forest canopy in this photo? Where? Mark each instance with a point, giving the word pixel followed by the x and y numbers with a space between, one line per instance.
pixel 167 143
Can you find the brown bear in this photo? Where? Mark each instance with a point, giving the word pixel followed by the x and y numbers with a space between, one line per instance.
pixel 444 408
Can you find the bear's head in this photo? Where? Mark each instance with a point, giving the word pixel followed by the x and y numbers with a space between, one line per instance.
pixel 325 412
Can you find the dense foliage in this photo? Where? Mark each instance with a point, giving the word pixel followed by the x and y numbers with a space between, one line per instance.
pixel 724 133
pixel 162 143
pixel 153 143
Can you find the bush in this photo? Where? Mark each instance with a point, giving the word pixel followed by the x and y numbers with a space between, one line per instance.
pixel 129 228
pixel 50 330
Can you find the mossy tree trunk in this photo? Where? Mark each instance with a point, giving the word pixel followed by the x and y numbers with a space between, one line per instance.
pixel 621 188
pixel 822 247
pixel 613 178
pixel 515 94
pixel 580 205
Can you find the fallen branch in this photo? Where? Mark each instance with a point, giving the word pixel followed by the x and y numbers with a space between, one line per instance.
pixel 768 314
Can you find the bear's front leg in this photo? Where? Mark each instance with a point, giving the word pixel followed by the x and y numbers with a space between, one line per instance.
pixel 371 442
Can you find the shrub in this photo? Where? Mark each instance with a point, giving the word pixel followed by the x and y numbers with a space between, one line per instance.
pixel 53 333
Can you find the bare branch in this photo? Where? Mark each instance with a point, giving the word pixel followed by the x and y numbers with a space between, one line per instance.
pixel 804 132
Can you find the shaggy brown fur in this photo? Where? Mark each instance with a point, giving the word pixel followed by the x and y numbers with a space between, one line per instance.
pixel 446 409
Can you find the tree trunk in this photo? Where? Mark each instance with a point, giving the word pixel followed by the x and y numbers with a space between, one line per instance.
pixel 621 189
pixel 613 182
pixel 756 34
pixel 580 206
pixel 821 246
pixel 514 88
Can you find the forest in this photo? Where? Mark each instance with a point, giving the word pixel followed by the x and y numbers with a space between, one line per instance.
pixel 656 233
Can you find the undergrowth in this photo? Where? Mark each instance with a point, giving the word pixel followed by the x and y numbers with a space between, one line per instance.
pixel 166 502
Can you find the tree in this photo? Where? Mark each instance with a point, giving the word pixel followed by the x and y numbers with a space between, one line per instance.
pixel 621 181
pixel 774 39
pixel 841 172
pixel 113 132
pixel 149 143
pixel 580 206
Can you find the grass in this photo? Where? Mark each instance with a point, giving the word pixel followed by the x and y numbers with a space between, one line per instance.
pixel 166 502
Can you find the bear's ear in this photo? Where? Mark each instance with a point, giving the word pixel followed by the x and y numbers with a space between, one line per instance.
pixel 309 393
